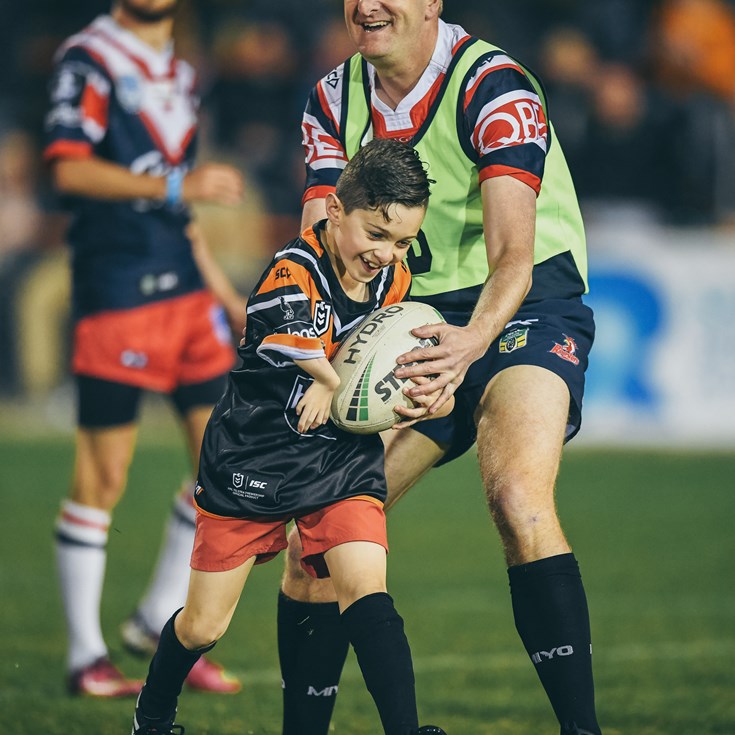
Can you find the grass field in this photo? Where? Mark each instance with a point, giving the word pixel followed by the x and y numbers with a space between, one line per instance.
pixel 653 532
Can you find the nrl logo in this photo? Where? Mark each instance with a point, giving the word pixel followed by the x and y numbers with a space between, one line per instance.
pixel 322 312
pixel 237 479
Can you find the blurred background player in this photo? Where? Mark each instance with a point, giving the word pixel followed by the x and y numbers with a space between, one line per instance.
pixel 502 256
pixel 121 137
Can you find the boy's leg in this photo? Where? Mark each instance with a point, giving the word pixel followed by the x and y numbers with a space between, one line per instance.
pixel 210 604
pixel 375 629
pixel 303 596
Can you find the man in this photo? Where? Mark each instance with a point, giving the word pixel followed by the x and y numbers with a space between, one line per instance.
pixel 503 258
pixel 121 141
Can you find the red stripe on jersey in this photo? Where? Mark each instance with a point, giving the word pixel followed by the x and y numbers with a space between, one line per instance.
pixel 326 109
pixel 470 93
pixel 526 177
pixel 95 106
pixel 77 521
pixel 68 149
pixel 316 192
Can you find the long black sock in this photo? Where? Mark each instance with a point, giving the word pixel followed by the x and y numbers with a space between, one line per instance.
pixel 376 632
pixel 312 648
pixel 552 618
pixel 169 667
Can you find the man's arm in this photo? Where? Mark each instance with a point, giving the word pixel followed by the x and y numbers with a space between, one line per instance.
pixel 98 178
pixel 313 211
pixel 509 218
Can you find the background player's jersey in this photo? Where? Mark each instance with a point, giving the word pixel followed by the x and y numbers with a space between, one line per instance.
pixel 116 98
pixel 475 113
pixel 254 461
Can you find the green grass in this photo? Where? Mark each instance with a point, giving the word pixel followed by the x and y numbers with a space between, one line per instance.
pixel 653 532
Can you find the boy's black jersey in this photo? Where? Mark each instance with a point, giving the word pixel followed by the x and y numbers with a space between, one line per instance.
pixel 254 462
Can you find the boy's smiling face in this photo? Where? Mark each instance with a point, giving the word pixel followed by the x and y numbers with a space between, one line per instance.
pixel 363 242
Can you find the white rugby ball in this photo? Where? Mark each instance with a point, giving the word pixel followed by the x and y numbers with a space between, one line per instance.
pixel 366 360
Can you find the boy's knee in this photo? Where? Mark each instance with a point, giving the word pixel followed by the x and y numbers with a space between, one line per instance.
pixel 196 631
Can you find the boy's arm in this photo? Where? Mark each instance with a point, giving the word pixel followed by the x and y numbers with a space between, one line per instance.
pixel 313 408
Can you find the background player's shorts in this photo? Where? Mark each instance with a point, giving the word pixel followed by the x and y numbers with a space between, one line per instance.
pixel 159 347
pixel 221 544
pixel 555 334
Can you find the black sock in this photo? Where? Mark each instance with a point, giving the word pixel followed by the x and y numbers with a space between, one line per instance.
pixel 551 616
pixel 376 632
pixel 312 648
pixel 169 667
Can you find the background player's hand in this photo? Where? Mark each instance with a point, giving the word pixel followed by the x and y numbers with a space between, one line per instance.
pixel 213 182
pixel 447 363
pixel 313 408
pixel 420 412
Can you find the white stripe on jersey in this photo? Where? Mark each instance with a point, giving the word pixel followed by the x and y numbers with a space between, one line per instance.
pixel 274 302
pixel 496 61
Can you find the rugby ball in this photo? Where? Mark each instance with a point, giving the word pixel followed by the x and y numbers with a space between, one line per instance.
pixel 366 360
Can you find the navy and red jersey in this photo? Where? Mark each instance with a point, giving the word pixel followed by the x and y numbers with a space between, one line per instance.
pixel 116 98
pixel 490 93
pixel 254 462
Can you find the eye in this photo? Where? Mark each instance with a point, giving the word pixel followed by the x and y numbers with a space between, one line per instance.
pixel 375 235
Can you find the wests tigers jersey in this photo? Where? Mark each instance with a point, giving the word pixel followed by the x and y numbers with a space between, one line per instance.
pixel 254 462
pixel 116 98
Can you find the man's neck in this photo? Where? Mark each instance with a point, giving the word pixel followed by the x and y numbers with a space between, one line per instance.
pixel 393 82
pixel 156 35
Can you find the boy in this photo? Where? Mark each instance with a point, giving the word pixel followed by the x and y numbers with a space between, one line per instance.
pixel 270 455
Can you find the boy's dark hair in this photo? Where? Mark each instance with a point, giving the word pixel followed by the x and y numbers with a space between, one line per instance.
pixel 382 173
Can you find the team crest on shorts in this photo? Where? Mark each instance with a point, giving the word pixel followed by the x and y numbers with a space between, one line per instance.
pixel 566 351
pixel 513 340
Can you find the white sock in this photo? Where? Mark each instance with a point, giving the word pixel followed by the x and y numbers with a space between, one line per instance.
pixel 81 538
pixel 170 583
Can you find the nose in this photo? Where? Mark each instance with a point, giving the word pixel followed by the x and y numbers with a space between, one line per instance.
pixel 365 7
pixel 384 255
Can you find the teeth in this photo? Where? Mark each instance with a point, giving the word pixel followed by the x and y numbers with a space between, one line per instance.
pixel 375 26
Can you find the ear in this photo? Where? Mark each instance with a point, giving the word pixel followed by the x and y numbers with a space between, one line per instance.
pixel 434 9
pixel 335 209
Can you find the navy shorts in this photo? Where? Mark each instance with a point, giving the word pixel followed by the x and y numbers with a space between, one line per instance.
pixel 555 334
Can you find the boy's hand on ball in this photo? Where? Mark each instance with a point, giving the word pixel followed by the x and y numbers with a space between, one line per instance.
pixel 313 408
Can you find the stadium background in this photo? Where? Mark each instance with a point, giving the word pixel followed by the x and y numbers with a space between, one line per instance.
pixel 643 99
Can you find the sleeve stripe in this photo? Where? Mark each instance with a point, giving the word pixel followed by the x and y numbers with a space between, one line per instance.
pixel 316 192
pixel 252 308
pixel 326 107
pixel 497 170
pixel 67 149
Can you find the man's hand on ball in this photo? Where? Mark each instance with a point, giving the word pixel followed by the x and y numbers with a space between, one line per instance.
pixel 422 404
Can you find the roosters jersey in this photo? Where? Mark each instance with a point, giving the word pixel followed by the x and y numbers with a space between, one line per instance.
pixel 116 98
pixel 254 462
pixel 475 113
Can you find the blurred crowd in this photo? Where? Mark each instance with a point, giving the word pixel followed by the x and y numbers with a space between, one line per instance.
pixel 642 94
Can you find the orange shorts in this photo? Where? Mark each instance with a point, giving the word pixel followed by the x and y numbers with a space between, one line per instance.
pixel 159 346
pixel 226 543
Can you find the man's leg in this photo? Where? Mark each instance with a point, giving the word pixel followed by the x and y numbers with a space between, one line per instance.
pixel 312 642
pixel 170 581
pixel 100 473
pixel 521 428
